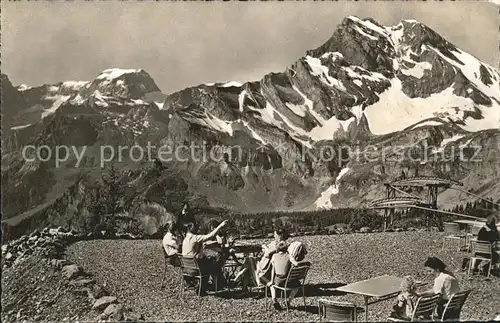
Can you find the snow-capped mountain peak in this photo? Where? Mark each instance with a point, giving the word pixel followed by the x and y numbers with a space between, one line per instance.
pixel 114 73
pixel 23 87
pixel 368 85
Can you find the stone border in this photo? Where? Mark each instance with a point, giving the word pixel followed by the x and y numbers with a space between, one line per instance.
pixel 51 245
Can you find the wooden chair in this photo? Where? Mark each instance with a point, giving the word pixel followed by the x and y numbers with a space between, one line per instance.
pixel 333 311
pixel 191 269
pixel 166 264
pixel 452 232
pixel 231 268
pixel 296 273
pixel 424 309
pixel 481 250
pixel 454 306
pixel 472 235
pixel 256 285
pixel 474 230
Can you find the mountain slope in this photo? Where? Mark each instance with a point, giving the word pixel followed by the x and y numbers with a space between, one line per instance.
pixel 315 135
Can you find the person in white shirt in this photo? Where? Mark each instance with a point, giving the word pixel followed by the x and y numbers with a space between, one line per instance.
pixel 171 243
pixel 192 247
pixel 445 283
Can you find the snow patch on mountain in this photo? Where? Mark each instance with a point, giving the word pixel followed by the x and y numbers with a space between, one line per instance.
pixel 160 105
pixel 101 99
pixel 446 142
pixel 57 101
pixel 418 69
pixel 471 70
pixel 400 111
pixel 273 117
pixel 357 110
pixel 139 101
pixel 23 87
pixel 297 109
pixel 452 139
pixel 21 127
pixel 75 85
pixel 253 132
pixel 357 72
pixel 371 26
pixel 241 99
pixel 212 122
pixel 318 69
pixel 396 34
pixel 78 99
pixel 364 33
pixel 326 128
pixel 329 128
pixel 231 84
pixel 113 73
pixel 300 110
pixel 427 123
pixel 466 143
pixel 324 201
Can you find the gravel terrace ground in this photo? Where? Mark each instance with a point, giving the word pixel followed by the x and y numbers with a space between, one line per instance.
pixel 133 271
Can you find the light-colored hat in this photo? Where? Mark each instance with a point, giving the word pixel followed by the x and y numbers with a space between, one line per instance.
pixel 295 248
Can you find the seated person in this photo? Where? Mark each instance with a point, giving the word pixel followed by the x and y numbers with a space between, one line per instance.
pixel 220 237
pixel 445 283
pixel 217 250
pixel 406 300
pixel 297 251
pixel 192 247
pixel 263 271
pixel 489 233
pixel 171 244
pixel 280 267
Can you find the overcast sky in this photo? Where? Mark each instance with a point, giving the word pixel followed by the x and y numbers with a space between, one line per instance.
pixel 184 44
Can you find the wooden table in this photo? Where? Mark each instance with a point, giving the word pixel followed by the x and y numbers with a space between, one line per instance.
pixel 379 288
pixel 247 249
pixel 239 257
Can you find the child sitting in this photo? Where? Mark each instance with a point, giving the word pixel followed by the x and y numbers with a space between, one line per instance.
pixel 406 299
pixel 281 265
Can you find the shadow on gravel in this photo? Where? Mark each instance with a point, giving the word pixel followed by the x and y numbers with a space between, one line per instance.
pixel 311 309
pixel 321 290
pixel 239 294
pixel 326 289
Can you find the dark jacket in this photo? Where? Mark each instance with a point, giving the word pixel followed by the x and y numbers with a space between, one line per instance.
pixel 487 235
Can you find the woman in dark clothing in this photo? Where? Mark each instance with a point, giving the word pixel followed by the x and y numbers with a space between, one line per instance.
pixel 489 233
pixel 217 250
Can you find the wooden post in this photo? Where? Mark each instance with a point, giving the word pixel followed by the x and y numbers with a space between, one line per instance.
pixel 385 219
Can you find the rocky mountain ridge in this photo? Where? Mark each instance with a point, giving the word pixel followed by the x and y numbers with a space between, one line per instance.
pixel 316 135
